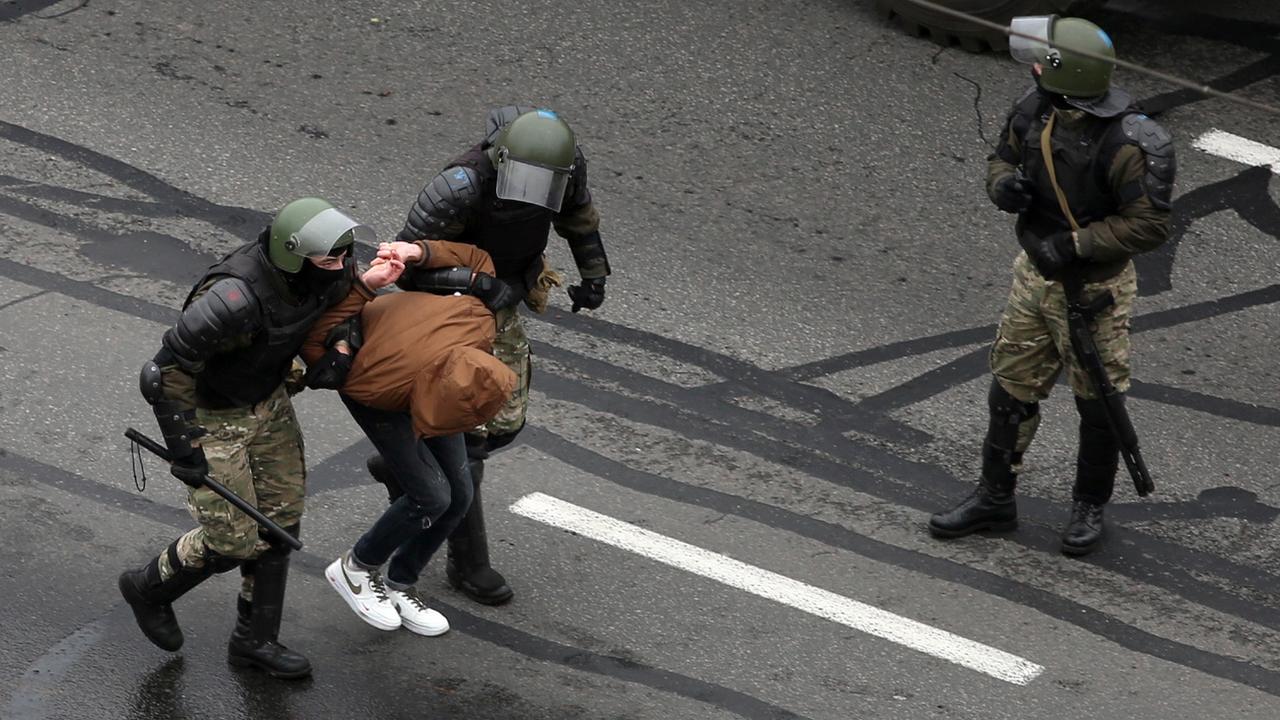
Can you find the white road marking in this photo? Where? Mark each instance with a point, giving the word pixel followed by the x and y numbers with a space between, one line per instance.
pixel 779 588
pixel 1240 149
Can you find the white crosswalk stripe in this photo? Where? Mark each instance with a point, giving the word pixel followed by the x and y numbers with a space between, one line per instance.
pixel 1237 148
pixel 779 588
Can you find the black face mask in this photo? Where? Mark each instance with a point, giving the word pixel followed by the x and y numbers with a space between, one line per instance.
pixel 316 280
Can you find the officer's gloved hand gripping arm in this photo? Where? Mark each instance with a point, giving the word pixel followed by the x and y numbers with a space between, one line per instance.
pixel 222 311
pixel 451 268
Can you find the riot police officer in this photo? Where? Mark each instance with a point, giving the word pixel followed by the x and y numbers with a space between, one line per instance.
pixel 217 387
pixel 504 195
pixel 1091 180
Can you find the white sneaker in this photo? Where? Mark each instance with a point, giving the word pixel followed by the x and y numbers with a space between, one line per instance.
pixel 365 592
pixel 415 614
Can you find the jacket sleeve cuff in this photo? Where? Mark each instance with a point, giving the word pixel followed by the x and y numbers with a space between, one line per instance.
pixel 1084 242
pixel 363 289
pixel 426 253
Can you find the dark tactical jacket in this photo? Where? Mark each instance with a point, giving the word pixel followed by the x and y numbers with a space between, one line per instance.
pixel 461 204
pixel 1117 174
pixel 247 369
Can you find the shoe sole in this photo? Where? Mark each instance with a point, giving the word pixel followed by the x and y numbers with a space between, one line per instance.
pixel 993 526
pixel 247 663
pixel 423 629
pixel 495 599
pixel 351 603
pixel 1080 550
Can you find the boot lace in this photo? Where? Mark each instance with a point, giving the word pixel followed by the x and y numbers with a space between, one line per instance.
pixel 1086 512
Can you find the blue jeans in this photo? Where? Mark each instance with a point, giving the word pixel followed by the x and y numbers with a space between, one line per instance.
pixel 433 474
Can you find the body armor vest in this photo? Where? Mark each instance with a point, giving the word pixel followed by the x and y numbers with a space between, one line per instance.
pixel 248 375
pixel 513 233
pixel 1081 156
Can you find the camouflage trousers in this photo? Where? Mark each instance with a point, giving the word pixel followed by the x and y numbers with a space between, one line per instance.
pixel 1033 344
pixel 511 346
pixel 256 453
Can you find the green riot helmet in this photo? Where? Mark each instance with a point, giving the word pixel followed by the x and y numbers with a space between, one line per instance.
pixel 311 227
pixel 1062 71
pixel 534 156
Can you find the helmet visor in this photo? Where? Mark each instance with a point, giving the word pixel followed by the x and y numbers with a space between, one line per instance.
pixel 529 183
pixel 327 231
pixel 1031 43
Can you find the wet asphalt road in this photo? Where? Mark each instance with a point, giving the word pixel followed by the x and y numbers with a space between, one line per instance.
pixel 789 369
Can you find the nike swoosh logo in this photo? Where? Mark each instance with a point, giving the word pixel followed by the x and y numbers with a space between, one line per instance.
pixel 355 589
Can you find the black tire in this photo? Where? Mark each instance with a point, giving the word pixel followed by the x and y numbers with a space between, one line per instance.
pixel 947 30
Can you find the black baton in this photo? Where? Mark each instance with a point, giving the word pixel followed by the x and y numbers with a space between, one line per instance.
pixel 265 522
pixel 1079 314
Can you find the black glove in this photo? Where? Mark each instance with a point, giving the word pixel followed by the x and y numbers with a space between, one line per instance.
pixel 494 293
pixel 329 372
pixel 350 331
pixel 191 469
pixel 1013 194
pixel 589 295
pixel 1051 255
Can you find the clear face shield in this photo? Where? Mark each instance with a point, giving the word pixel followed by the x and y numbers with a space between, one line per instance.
pixel 330 233
pixel 535 184
pixel 1031 44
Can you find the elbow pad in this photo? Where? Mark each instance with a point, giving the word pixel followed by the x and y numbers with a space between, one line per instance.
pixel 226 310
pixel 177 424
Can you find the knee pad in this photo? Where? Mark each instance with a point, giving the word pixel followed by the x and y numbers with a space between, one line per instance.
pixel 1007 407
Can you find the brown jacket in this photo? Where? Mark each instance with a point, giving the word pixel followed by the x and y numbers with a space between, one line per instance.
pixel 428 355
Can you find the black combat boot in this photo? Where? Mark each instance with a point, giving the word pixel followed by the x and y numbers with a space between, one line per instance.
pixel 254 642
pixel 1097 460
pixel 378 469
pixel 467 565
pixel 991 506
pixel 151 598
pixel 1084 530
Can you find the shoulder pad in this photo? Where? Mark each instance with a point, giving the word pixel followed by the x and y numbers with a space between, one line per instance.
pixel 501 117
pixel 227 309
pixel 1147 134
pixel 1158 155
pixel 441 210
pixel 459 184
